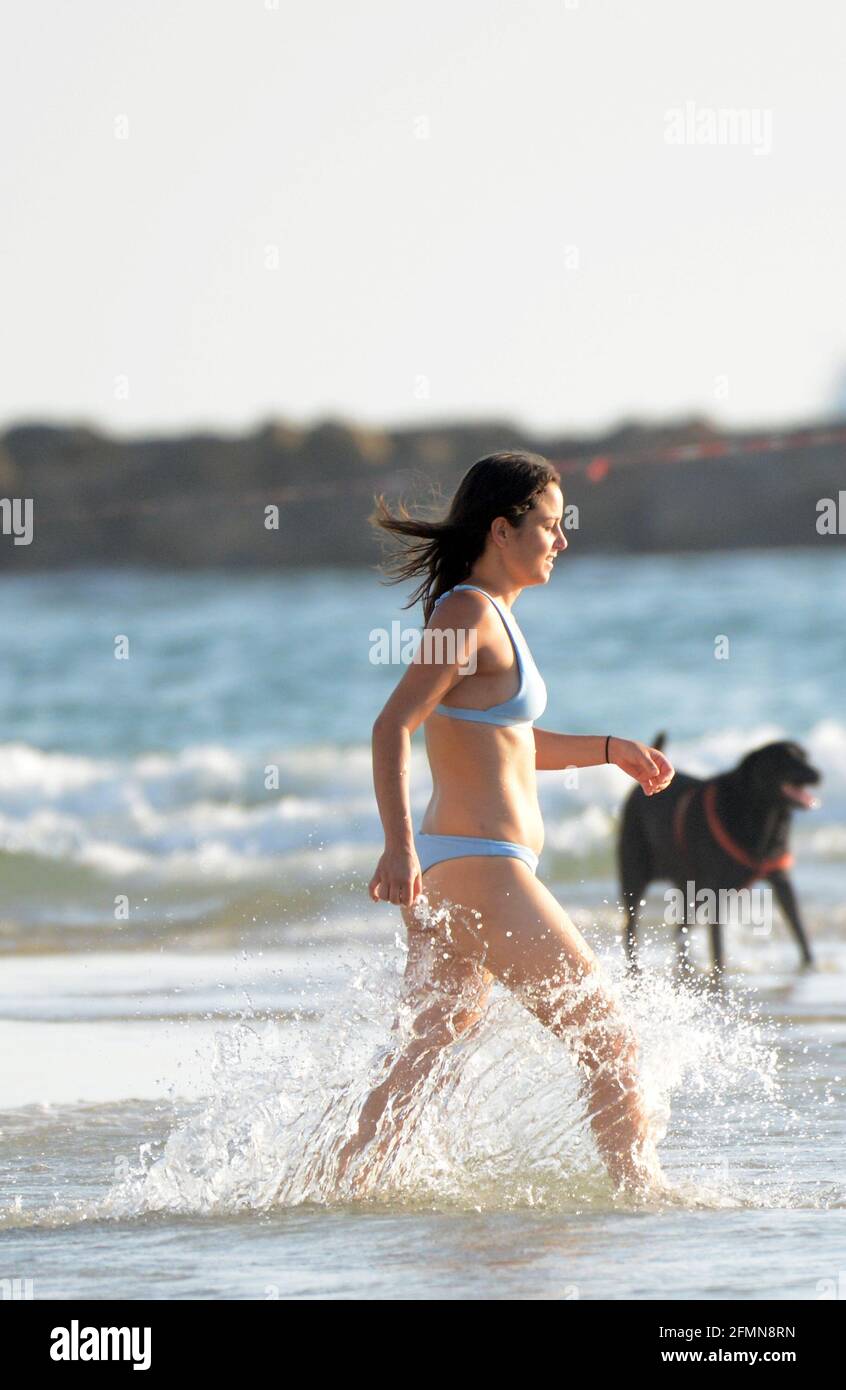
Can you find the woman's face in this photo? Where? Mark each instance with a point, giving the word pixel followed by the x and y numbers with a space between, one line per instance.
pixel 539 538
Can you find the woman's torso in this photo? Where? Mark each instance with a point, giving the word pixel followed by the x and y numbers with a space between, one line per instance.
pixel 483 773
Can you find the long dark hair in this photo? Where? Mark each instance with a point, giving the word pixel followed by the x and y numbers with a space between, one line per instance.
pixel 445 551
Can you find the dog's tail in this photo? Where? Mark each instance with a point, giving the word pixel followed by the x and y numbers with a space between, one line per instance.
pixel 659 740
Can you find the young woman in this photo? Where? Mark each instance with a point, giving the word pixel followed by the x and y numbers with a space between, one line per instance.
pixel 466 883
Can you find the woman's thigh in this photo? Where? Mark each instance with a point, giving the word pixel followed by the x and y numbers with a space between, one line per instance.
pixel 494 909
pixel 495 913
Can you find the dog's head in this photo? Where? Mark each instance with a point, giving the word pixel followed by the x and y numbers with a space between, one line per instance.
pixel 780 772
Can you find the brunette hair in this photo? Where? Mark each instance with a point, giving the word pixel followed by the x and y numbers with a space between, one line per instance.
pixel 444 552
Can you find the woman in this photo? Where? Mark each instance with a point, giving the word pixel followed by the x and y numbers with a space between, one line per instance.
pixel 471 902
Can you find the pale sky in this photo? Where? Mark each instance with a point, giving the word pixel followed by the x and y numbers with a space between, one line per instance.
pixel 474 209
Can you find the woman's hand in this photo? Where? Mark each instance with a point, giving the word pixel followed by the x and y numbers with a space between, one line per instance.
pixel 646 765
pixel 397 879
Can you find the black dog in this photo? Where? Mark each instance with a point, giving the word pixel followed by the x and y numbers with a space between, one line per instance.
pixel 719 834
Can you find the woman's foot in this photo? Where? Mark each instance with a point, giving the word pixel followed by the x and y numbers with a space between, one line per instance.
pixel 638 1173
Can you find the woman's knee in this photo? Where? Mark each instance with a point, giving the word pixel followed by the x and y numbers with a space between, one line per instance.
pixel 606 1039
pixel 445 994
pixel 584 1013
pixel 446 1021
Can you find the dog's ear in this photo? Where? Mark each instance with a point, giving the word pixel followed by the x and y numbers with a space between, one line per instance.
pixel 659 740
pixel 763 768
pixel 754 767
pixel 747 764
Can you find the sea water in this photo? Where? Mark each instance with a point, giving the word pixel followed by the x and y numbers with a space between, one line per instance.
pixel 196 991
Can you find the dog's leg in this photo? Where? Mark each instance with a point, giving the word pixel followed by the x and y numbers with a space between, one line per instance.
pixel 635 875
pixel 717 962
pixel 683 968
pixel 632 902
pixel 786 899
pixel 708 914
pixel 683 965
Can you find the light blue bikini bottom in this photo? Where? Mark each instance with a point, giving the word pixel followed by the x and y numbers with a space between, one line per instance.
pixel 431 849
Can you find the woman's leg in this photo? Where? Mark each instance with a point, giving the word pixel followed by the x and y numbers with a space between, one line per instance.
pixel 518 932
pixel 444 996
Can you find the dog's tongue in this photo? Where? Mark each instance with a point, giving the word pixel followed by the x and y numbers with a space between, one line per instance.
pixel 800 794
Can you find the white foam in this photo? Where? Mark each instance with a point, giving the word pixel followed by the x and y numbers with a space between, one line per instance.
pixel 204 811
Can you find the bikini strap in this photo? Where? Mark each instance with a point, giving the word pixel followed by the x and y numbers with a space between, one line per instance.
pixel 467 586
pixel 500 608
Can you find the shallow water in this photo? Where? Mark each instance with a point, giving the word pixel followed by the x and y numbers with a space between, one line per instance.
pixel 167 1078
pixel 497 1194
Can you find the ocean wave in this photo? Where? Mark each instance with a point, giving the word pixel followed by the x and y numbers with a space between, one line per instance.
pixel 209 811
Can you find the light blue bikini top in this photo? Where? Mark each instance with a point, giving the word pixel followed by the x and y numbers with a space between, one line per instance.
pixel 530 701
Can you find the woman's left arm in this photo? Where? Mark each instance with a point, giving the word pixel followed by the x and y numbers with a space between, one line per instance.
pixel 648 766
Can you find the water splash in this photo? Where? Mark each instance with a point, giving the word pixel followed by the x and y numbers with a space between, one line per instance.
pixel 497 1123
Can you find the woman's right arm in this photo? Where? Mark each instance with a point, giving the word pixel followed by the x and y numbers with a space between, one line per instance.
pixel 398 878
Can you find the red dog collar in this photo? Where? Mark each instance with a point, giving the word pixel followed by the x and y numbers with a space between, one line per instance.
pixel 760 869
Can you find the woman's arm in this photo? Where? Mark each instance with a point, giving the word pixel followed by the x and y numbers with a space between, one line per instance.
pixel 425 682
pixel 646 765
pixel 553 752
pixel 391 744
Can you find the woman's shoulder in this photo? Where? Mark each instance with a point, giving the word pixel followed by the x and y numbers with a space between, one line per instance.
pixel 460 606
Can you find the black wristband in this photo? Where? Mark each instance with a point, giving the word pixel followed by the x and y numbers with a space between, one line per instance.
pixel 607 740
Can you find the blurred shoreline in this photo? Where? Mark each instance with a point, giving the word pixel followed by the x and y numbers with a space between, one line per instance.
pixel 201 500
